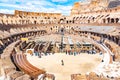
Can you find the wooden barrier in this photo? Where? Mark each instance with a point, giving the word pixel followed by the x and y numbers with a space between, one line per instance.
pixel 78 77
pixel 22 63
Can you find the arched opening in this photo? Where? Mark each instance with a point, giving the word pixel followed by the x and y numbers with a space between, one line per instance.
pixel 45 18
pixel 93 18
pixel 77 18
pixel 88 21
pixel 103 20
pixel 112 20
pixel 48 17
pixel 62 29
pixel 73 18
pixel 6 21
pixel 35 22
pixel 61 20
pixel 108 20
pixel 73 21
pixel 117 20
pixel 80 18
pixel 51 29
pixel 67 22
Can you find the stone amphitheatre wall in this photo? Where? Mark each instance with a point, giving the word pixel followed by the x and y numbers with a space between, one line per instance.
pixel 96 11
pixel 22 22
pixel 22 17
pixel 101 16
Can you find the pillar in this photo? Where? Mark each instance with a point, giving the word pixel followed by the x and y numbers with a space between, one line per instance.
pixel 111 59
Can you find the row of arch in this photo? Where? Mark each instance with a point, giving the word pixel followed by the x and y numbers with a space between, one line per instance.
pixel 82 19
pixel 27 20
pixel 101 16
pixel 15 37
pixel 8 40
pixel 111 20
pixel 115 39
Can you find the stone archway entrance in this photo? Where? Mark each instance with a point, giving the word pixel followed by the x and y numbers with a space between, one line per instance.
pixel 35 22
pixel 62 30
pixel 61 21
pixel 112 20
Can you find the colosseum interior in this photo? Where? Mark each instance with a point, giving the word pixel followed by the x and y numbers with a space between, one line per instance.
pixel 50 46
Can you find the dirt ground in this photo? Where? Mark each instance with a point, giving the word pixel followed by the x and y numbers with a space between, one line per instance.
pixel 81 63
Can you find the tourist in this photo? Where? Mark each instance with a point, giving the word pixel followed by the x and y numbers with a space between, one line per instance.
pixel 36 53
pixel 39 55
pixel 93 52
pixel 66 52
pixel 45 53
pixel 53 77
pixel 102 60
pixel 74 53
pixel 100 53
pixel 49 53
pixel 78 52
pixel 69 52
pixel 53 53
pixel 62 62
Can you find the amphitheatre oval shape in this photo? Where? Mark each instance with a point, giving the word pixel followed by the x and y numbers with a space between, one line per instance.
pixel 52 46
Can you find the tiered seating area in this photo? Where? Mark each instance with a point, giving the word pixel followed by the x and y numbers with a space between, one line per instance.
pixel 14 31
pixel 114 49
pixel 8 68
pixel 101 72
pixel 104 71
pixel 22 63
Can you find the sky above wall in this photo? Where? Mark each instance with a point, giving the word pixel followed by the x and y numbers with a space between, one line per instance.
pixel 55 6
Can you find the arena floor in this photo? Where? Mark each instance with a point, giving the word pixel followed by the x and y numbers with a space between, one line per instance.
pixel 81 63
